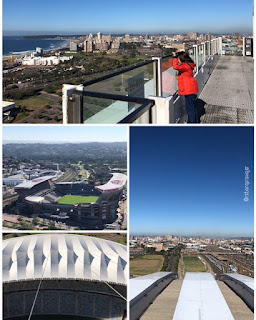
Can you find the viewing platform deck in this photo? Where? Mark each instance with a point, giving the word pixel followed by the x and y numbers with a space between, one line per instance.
pixel 147 93
pixel 228 93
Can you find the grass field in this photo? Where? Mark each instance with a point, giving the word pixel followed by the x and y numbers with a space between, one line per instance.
pixel 192 263
pixel 76 199
pixel 34 103
pixel 146 264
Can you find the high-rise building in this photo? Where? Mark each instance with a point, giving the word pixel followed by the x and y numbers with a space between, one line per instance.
pixel 39 52
pixel 107 38
pixel 208 37
pixel 193 35
pixel 99 36
pixel 88 46
pixel 127 38
pixel 73 46
pixel 115 44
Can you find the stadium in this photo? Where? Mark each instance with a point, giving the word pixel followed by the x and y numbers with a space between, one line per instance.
pixel 63 276
pixel 78 202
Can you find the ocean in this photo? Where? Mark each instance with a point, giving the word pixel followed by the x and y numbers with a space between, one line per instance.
pixel 20 46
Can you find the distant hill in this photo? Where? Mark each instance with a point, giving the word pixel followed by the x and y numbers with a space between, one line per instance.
pixel 66 151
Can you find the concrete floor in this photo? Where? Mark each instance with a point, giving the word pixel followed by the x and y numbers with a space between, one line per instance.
pixel 238 308
pixel 163 307
pixel 228 94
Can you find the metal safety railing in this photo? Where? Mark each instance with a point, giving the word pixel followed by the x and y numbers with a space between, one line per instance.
pixel 144 93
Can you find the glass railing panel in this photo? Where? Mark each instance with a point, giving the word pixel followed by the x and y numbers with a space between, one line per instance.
pixel 207 51
pixel 232 47
pixel 169 77
pixel 101 110
pixel 191 53
pixel 139 82
pixel 200 56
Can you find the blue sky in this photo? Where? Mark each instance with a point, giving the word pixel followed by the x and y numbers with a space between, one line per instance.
pixel 53 134
pixel 191 181
pixel 84 16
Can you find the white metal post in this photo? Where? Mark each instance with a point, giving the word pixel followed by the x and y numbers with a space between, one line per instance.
pixel 243 46
pixel 204 55
pixel 158 75
pixel 220 46
pixel 195 46
pixel 67 90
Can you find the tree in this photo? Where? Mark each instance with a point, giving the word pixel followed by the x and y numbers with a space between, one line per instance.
pixel 35 221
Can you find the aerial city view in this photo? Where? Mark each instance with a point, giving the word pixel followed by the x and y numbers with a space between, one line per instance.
pixel 191 218
pixel 53 184
pixel 43 68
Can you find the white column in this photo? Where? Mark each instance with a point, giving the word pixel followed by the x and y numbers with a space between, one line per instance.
pixel 160 112
pixel 67 90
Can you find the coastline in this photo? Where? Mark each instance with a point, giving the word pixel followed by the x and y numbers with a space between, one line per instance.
pixel 21 54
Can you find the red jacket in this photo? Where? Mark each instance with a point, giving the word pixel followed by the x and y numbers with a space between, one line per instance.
pixel 186 82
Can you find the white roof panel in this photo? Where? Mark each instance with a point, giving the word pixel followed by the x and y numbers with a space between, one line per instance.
pixel 201 299
pixel 64 256
pixel 138 285
pixel 246 280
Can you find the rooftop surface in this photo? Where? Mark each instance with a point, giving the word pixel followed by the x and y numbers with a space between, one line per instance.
pixel 201 299
pixel 228 93
pixel 166 302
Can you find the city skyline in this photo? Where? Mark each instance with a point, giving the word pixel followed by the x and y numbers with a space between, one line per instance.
pixel 168 17
pixel 191 184
pixel 63 134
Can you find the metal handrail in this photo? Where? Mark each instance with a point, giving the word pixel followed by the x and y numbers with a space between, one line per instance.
pixel 111 75
pixel 139 112
pixel 109 96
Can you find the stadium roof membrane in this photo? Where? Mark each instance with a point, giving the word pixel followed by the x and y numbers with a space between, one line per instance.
pixel 64 256
pixel 116 183
pixel 31 183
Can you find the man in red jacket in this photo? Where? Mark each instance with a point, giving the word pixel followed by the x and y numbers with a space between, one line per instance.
pixel 187 83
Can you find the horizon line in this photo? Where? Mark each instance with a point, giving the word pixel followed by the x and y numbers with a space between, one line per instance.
pixel 49 142
pixel 77 33
pixel 190 236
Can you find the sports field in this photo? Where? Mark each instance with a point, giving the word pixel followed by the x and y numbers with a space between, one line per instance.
pixel 77 199
pixel 191 263
pixel 146 264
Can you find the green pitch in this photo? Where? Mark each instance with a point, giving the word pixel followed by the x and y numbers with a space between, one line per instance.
pixel 77 199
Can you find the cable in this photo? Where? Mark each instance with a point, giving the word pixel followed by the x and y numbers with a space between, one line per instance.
pixel 34 302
